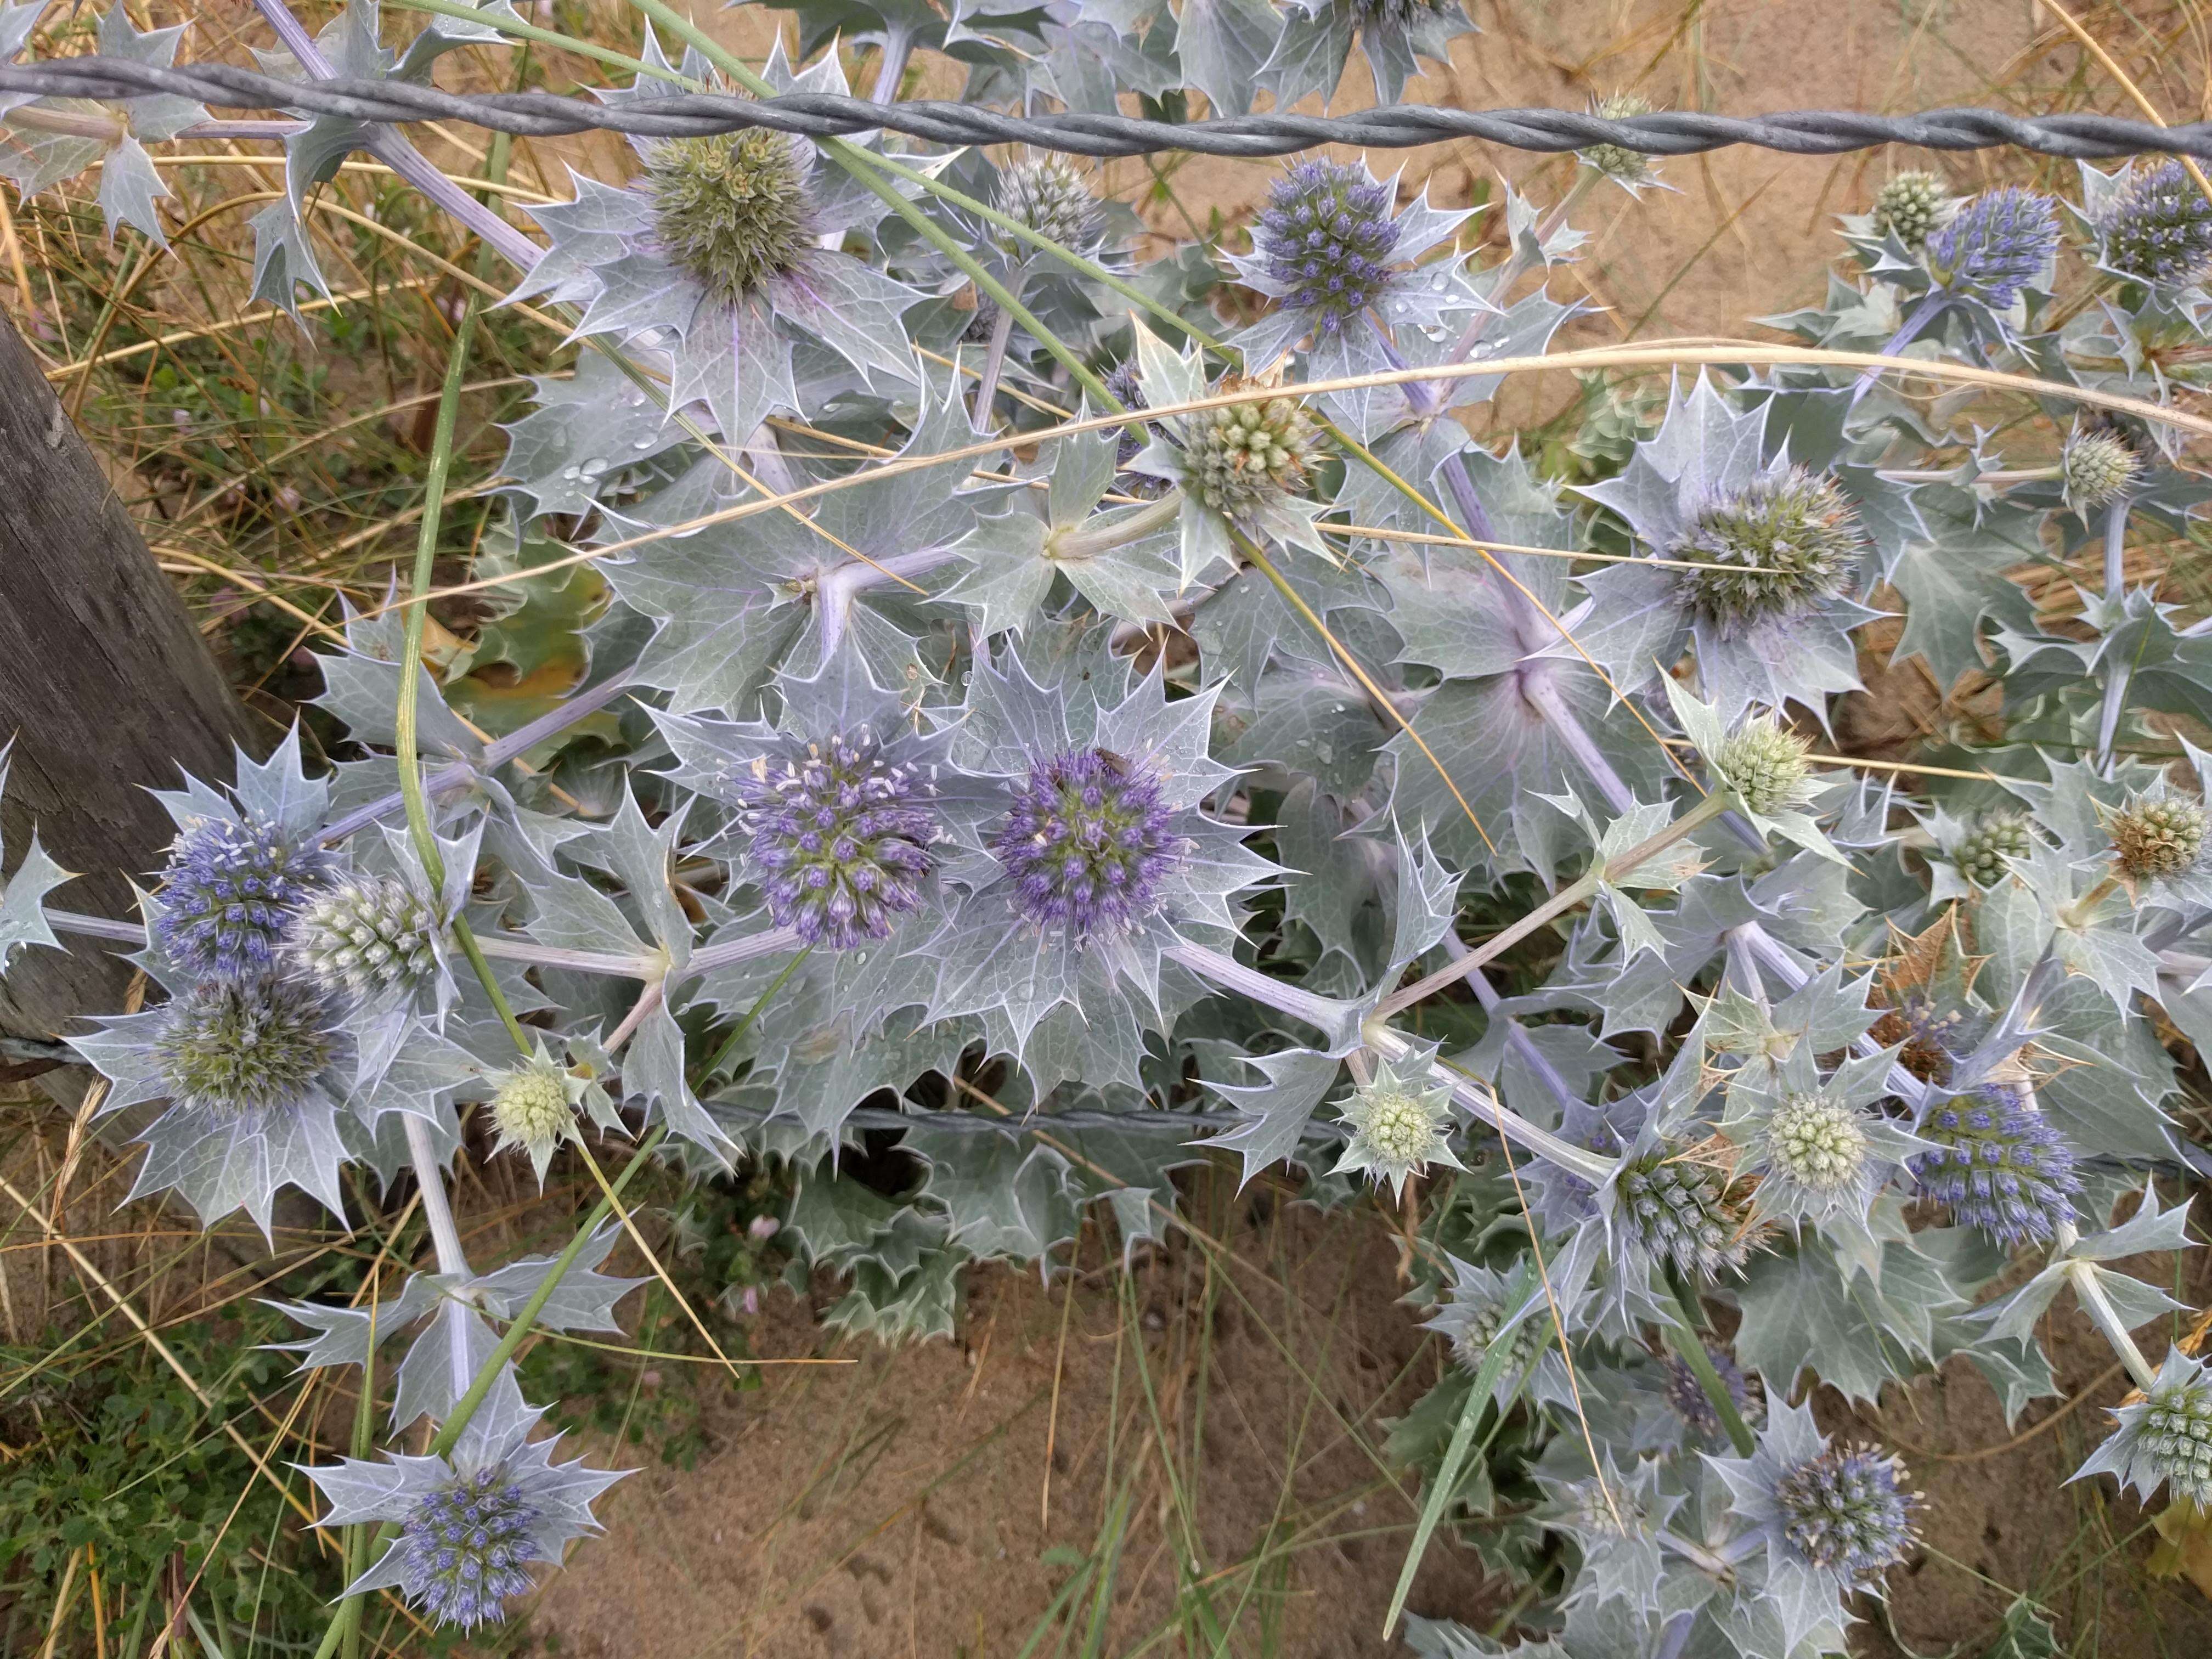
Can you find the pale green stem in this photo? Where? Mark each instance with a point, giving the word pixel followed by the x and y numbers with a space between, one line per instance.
pixel 1577 893
pixel 1116 530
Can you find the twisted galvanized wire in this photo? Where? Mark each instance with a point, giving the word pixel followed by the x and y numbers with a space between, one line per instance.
pixel 822 115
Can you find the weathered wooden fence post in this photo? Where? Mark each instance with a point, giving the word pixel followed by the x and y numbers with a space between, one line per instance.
pixel 106 686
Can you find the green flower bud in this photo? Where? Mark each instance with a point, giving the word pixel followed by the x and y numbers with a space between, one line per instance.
pixel 1783 542
pixel 531 1109
pixel 1244 457
pixel 1981 853
pixel 1764 763
pixel 2096 466
pixel 732 208
pixel 1909 206
pixel 1624 165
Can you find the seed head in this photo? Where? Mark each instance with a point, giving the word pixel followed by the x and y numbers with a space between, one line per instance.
pixel 1998 1165
pixel 1786 540
pixel 1981 853
pixel 1327 235
pixel 842 834
pixel 1679 1211
pixel 1996 244
pixel 1909 206
pixel 2158 226
pixel 1628 166
pixel 1241 459
pixel 1817 1142
pixel 2153 838
pixel 1845 1511
pixel 244 1047
pixel 1051 196
pixel 2177 1437
pixel 230 892
pixel 1088 842
pixel 463 1546
pixel 1764 761
pixel 1686 1394
pixel 731 208
pixel 2097 466
pixel 369 936
pixel 531 1110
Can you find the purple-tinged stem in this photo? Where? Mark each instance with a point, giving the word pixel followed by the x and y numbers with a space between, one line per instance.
pixel 2117 669
pixel 1540 691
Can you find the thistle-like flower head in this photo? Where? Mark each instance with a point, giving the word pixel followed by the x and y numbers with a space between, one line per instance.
pixel 731 208
pixel 465 1543
pixel 1909 207
pixel 1247 458
pixel 2158 836
pixel 1982 854
pixel 1846 1512
pixel 2166 1435
pixel 470 1523
pixel 1764 763
pixel 230 892
pixel 1815 1142
pixel 1326 237
pixel 1630 169
pixel 1677 1207
pixel 1399 1124
pixel 1052 197
pixel 1995 245
pixel 2157 225
pixel 243 1048
pixel 1998 1165
pixel 2097 466
pixel 534 1109
pixel 841 834
pixel 1786 540
pixel 372 936
pixel 1687 1396
pixel 1087 841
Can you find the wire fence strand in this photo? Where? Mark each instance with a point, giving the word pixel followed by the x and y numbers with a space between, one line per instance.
pixel 822 115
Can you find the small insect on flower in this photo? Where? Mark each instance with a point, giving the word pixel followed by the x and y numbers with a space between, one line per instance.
pixel 2155 836
pixel 372 936
pixel 1766 763
pixel 844 835
pixel 2097 467
pixel 1982 855
pixel 1632 169
pixel 230 892
pixel 1680 1209
pixel 732 208
pixel 1999 1166
pixel 1995 245
pixel 2166 1435
pixel 1909 207
pixel 1050 195
pixel 2157 225
pixel 1087 841
pixel 1326 236
pixel 1784 542
pixel 244 1047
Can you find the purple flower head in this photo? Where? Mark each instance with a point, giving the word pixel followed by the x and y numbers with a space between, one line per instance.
pixel 1999 1166
pixel 464 1545
pixel 1326 236
pixel 2158 227
pixel 1843 1512
pixel 1688 1396
pixel 1087 841
pixel 230 893
pixel 842 835
pixel 1999 242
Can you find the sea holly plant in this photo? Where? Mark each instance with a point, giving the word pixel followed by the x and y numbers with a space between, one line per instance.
pixel 1033 722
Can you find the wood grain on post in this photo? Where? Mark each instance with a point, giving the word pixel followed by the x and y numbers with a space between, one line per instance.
pixel 106 686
